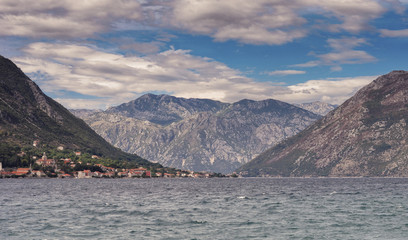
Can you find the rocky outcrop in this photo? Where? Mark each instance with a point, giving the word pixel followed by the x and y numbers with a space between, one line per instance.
pixel 199 134
pixel 365 136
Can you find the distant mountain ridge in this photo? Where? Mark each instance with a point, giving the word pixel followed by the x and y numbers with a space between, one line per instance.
pixel 27 114
pixel 365 136
pixel 320 108
pixel 165 109
pixel 199 134
pixel 83 113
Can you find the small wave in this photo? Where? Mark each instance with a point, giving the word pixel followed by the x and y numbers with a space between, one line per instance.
pixel 247 223
pixel 243 197
pixel 344 193
pixel 198 222
pixel 204 201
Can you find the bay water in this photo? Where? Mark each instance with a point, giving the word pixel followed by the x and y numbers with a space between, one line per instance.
pixel 244 208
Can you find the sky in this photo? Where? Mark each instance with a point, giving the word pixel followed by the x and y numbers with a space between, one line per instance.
pixel 99 53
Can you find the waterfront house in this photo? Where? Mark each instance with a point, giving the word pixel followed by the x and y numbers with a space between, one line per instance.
pixel 108 174
pixel 84 174
pixel 37 173
pixel 109 169
pixel 21 171
pixel 88 173
pixel 138 172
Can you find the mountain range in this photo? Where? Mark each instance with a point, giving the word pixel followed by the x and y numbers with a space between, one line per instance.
pixel 366 136
pixel 198 134
pixel 27 114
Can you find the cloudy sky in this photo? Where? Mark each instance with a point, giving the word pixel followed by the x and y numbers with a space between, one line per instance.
pixel 100 53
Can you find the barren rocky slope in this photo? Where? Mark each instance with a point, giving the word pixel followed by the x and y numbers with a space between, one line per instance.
pixel 365 136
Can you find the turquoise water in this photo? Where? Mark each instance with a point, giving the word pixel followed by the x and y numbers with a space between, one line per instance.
pixel 254 208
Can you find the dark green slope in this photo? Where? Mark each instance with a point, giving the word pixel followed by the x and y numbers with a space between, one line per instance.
pixel 365 136
pixel 27 114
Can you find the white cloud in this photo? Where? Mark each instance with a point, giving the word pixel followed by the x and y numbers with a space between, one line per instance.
pixel 109 79
pixel 118 78
pixel 63 19
pixel 271 22
pixel 397 5
pixel 334 91
pixel 342 53
pixel 285 72
pixel 394 33
pixel 254 22
pixel 354 14
pixel 78 103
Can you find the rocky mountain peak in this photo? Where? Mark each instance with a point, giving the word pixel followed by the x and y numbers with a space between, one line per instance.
pixel 26 93
pixel 9 72
pixel 164 109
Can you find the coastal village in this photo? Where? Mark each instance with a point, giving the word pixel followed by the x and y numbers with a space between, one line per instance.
pixel 44 167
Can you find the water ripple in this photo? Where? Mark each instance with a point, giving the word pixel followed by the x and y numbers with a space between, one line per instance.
pixel 203 208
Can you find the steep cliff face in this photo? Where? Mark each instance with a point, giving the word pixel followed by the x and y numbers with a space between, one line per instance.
pixel 199 134
pixel 27 114
pixel 365 136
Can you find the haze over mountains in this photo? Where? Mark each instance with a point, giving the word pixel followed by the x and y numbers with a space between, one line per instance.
pixel 365 136
pixel 198 134
pixel 27 114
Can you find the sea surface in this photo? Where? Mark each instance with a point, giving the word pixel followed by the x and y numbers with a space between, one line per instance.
pixel 245 208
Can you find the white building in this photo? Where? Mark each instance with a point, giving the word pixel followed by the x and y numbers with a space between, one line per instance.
pixel 81 174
